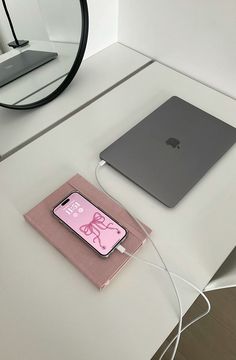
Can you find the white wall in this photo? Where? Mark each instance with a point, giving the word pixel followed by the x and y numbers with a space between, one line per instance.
pixel 26 16
pixel 196 37
pixel 103 24
pixel 61 16
pixel 63 22
pixel 62 19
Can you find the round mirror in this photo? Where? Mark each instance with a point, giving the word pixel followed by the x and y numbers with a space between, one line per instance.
pixel 42 44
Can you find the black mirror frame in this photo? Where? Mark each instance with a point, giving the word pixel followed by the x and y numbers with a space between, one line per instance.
pixel 73 70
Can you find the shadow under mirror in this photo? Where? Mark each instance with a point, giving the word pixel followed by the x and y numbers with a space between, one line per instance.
pixel 51 33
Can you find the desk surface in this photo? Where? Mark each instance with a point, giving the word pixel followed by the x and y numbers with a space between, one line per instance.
pixel 50 310
pixel 97 74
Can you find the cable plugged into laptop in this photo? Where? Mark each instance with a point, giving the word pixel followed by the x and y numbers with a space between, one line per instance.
pixel 164 268
pixel 101 163
pixel 154 152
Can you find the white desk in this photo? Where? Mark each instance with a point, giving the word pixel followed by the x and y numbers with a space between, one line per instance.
pixel 50 311
pixel 225 276
pixel 96 75
pixel 30 83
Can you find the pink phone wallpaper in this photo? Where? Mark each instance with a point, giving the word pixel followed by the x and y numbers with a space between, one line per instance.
pixel 95 227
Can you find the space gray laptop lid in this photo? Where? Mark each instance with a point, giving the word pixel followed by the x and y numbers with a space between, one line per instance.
pixel 170 150
pixel 23 63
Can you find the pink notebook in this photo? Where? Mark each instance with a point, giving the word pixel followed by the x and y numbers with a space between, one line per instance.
pixel 97 269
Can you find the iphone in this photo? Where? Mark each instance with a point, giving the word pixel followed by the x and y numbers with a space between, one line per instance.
pixel 90 223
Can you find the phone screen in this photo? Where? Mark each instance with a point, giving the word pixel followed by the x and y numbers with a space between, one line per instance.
pixel 89 222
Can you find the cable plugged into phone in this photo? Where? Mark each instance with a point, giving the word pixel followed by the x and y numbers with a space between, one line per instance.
pixel 171 274
pixel 121 249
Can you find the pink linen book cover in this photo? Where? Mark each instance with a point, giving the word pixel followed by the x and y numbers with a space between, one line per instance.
pixel 97 269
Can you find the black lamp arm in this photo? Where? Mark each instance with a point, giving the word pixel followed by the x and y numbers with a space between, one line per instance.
pixel 17 43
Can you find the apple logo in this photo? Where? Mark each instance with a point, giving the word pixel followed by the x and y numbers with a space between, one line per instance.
pixel 175 143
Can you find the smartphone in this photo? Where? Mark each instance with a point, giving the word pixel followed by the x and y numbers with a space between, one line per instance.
pixel 91 224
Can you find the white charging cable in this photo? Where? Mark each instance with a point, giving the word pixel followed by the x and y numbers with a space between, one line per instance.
pixel 157 267
pixel 102 163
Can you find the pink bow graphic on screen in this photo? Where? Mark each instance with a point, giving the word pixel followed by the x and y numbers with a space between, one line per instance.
pixel 94 227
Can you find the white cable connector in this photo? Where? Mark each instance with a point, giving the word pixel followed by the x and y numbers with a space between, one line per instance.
pixel 101 163
pixel 121 249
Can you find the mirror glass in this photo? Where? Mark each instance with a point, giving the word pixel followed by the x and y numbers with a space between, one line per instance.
pixel 51 34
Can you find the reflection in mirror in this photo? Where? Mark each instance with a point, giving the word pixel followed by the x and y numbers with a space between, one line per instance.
pixel 53 31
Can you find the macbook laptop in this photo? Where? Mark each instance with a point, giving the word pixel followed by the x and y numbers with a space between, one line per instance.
pixel 170 150
pixel 21 64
